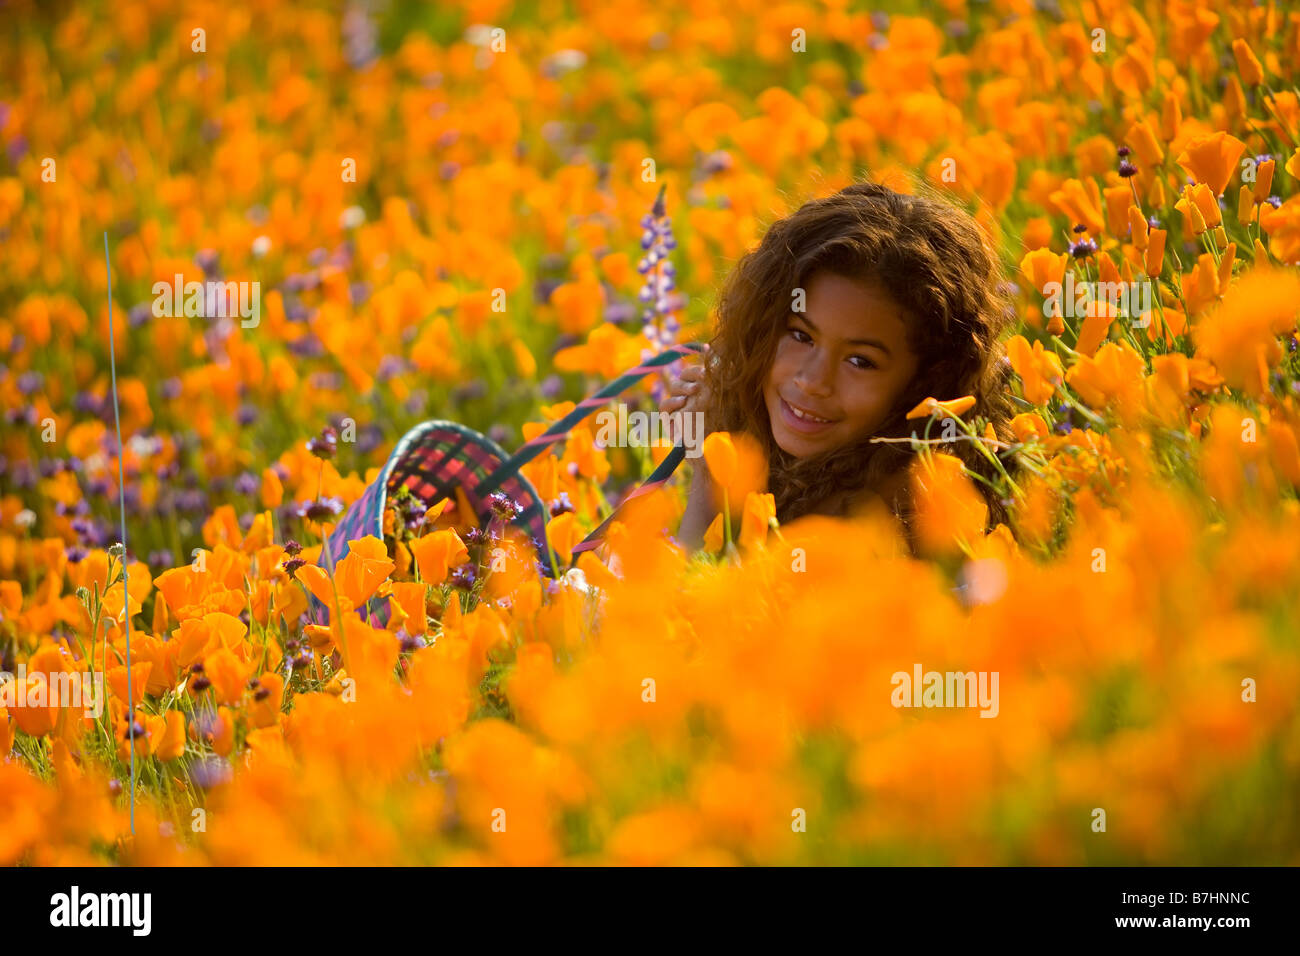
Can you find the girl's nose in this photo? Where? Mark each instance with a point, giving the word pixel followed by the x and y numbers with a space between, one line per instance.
pixel 813 377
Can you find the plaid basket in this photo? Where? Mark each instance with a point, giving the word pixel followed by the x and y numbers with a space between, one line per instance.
pixel 437 458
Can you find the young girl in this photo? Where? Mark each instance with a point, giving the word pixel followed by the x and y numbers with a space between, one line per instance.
pixel 901 301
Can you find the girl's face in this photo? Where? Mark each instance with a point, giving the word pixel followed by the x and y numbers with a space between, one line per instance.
pixel 839 367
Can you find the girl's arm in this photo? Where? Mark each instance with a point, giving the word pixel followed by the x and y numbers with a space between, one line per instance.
pixel 688 395
pixel 699 511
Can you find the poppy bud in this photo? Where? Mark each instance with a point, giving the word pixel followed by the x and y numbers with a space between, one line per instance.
pixel 1252 74
pixel 1263 180
pixel 1138 227
pixel 1245 205
pixel 1155 256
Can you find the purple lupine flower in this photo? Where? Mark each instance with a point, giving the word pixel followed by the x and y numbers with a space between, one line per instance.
pixel 307 346
pixel 247 484
pixel 389 366
pixel 416 403
pixel 499 434
pixel 543 288
pixel 210 772
pixel 620 312
pixel 206 259
pixel 658 292
pixel 192 501
pixel 326 381
pixel 475 388
pixel 360 37
pixel 370 437
pixel 718 161
pixel 170 388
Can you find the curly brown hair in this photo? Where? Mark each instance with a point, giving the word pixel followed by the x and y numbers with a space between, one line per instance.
pixel 932 258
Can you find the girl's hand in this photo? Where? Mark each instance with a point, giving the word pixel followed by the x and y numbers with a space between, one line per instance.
pixel 688 393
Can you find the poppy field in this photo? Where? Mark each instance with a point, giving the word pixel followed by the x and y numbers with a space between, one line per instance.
pixel 324 224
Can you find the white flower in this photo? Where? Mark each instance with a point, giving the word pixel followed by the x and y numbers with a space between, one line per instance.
pixel 25 518
pixel 261 246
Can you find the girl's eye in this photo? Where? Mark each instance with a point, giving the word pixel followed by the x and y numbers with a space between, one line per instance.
pixel 800 335
pixel 864 359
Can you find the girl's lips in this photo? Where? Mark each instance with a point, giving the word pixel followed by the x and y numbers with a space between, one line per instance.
pixel 801 425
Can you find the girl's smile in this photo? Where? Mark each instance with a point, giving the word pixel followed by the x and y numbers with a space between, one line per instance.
pixel 839 368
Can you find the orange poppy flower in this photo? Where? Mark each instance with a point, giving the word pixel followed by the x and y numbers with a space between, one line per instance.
pixel 1040 371
pixel 408 599
pixel 1212 159
pixel 139 681
pixel 736 464
pixel 759 512
pixel 952 408
pixel 1080 204
pixel 264 711
pixel 1042 266
pixel 563 533
pixel 227 674
pixel 949 508
pixel 171 746
pixel 28 701
pixel 437 553
pixel 1114 373
pixel 356 578
pixel 1240 335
